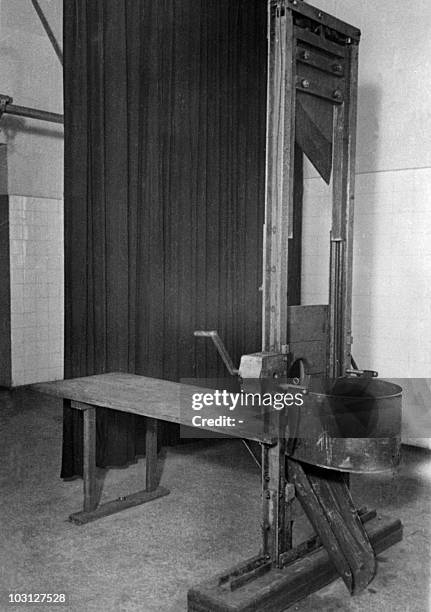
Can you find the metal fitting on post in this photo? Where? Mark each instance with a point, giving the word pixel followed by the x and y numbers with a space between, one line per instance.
pixel 4 101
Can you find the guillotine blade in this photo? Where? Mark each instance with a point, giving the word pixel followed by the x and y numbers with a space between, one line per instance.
pixel 314 131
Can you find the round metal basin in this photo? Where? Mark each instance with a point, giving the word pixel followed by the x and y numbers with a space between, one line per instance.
pixel 350 425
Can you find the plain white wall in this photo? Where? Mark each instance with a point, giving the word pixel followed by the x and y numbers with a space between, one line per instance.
pixel 31 74
pixel 394 113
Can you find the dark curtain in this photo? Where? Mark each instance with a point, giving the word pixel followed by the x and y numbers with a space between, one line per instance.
pixel 164 195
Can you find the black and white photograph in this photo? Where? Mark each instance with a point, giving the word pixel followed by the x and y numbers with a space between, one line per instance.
pixel 215 306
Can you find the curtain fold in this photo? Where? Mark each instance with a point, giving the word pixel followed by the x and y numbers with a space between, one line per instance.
pixel 165 106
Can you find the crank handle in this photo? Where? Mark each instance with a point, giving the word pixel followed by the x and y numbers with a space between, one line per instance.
pixel 213 334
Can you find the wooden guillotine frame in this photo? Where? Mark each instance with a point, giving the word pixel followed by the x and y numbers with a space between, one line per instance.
pixel 312 97
pixel 311 110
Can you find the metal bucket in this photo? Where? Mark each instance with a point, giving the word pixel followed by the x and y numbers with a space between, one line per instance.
pixel 350 425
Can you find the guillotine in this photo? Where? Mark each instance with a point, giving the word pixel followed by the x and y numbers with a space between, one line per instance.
pixel 350 422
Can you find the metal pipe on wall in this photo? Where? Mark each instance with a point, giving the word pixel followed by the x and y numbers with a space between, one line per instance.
pixel 33 113
pixel 7 107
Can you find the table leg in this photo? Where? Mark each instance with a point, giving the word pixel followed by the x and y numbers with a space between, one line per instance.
pixel 89 450
pixel 151 454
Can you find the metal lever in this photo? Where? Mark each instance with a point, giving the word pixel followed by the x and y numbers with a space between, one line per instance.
pixel 220 347
pixel 366 373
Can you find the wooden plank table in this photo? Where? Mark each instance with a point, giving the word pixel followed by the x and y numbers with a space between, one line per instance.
pixel 154 399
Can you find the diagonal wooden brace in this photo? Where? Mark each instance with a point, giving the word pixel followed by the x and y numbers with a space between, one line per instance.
pixel 326 500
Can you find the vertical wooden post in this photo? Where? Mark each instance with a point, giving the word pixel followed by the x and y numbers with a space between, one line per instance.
pixel 276 518
pixel 89 450
pixel 278 228
pixel 280 146
pixel 151 454
pixel 340 293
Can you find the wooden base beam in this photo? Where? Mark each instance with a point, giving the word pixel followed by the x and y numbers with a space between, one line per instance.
pixel 91 510
pixel 117 505
pixel 277 589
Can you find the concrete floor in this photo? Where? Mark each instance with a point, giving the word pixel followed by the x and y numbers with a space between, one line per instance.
pixel 146 558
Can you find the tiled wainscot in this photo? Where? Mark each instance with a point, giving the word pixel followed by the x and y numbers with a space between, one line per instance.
pixel 36 264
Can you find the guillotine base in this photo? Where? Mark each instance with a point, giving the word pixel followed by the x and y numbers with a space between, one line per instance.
pixel 256 586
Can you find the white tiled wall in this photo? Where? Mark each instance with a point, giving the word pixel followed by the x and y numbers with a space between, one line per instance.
pixel 36 257
pixel 391 272
pixel 391 267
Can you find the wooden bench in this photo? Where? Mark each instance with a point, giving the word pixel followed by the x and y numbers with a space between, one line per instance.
pixel 154 399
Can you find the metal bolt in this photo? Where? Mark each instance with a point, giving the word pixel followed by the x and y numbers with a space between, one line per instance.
pixel 337 94
pixel 348 41
pixel 305 83
pixel 267 478
pixel 306 55
pixel 268 495
pixel 337 68
pixel 319 14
